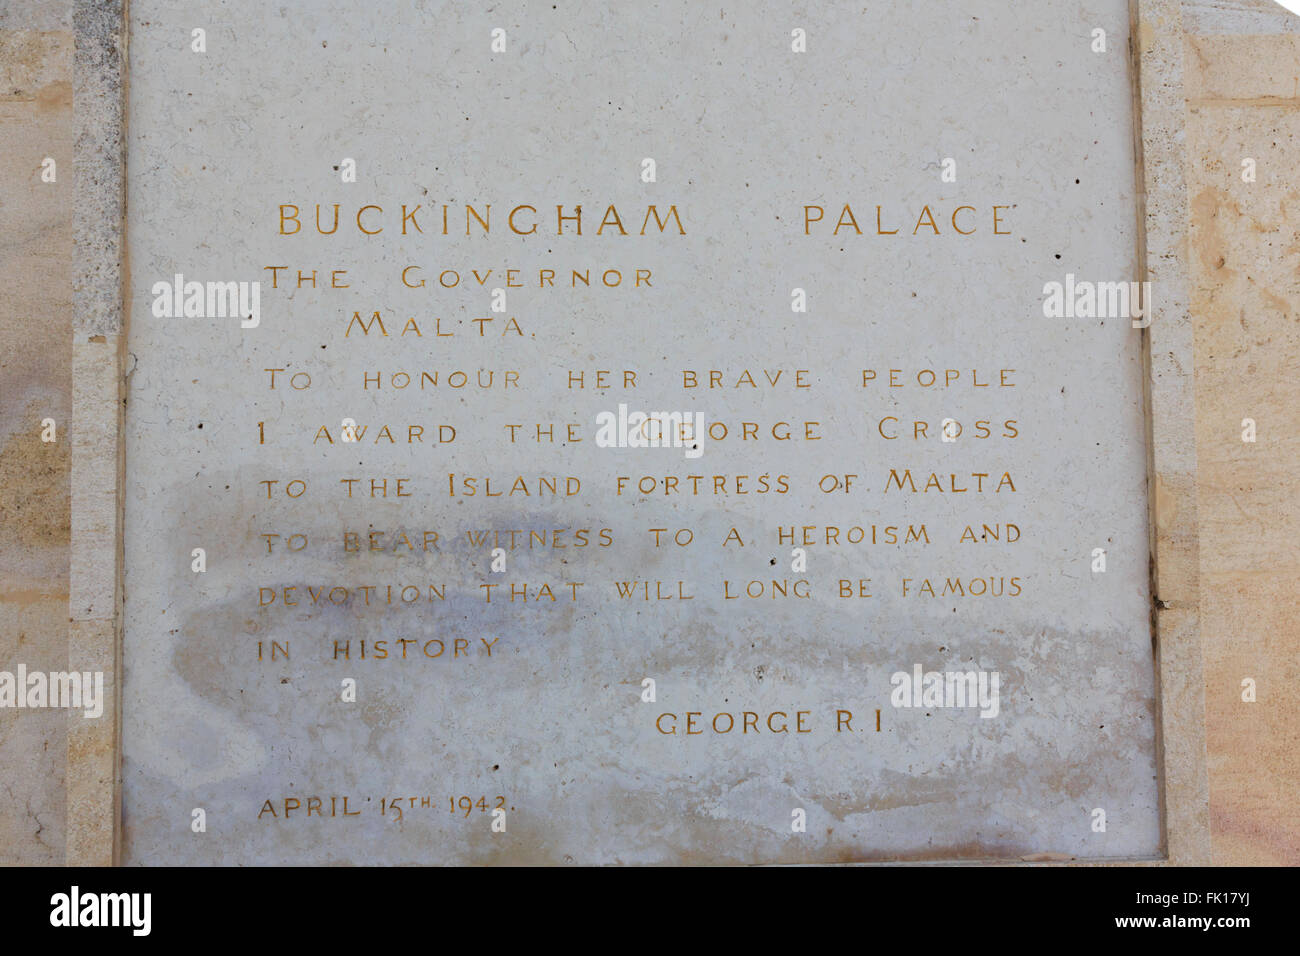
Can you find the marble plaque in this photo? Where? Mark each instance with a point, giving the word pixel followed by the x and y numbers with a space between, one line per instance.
pixel 589 433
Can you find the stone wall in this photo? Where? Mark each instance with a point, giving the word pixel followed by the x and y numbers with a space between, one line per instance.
pixel 1241 67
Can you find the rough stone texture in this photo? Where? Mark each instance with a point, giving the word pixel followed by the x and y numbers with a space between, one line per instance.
pixel 100 61
pixel 93 599
pixel 1172 446
pixel 35 383
pixel 61 802
pixel 39 15
pixel 1254 17
pixel 35 327
pixel 1244 101
pixel 93 785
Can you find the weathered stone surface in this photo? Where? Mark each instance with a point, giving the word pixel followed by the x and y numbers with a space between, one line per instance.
pixel 1242 99
pixel 35 378
pixel 745 133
